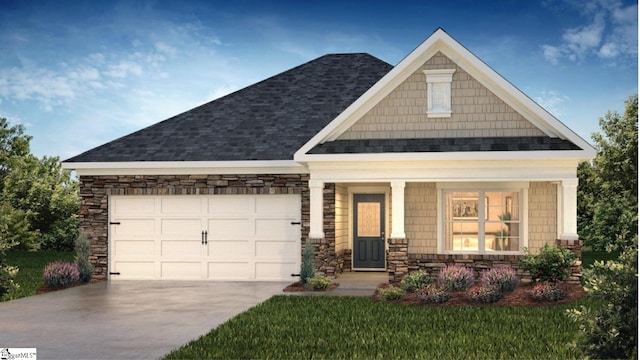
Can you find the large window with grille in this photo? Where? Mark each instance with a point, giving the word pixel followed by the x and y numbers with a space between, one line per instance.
pixel 482 221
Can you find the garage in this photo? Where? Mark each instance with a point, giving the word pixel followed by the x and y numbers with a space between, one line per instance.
pixel 204 237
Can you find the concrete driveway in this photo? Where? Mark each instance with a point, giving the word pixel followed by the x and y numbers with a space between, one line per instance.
pixel 125 319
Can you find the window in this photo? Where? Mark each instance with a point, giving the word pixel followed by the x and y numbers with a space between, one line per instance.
pixel 439 92
pixel 482 221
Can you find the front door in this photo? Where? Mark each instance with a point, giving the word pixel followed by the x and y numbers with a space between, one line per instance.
pixel 368 231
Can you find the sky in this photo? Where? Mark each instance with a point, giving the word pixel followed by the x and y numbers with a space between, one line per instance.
pixel 77 74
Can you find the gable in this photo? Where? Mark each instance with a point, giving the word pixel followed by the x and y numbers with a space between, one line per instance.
pixel 476 111
pixel 490 110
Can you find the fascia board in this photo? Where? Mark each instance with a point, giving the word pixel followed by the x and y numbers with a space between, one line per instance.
pixel 580 155
pixel 186 167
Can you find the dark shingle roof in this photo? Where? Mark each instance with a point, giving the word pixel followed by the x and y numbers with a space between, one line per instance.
pixel 377 146
pixel 269 120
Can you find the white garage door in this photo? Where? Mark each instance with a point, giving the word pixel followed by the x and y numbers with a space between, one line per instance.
pixel 218 237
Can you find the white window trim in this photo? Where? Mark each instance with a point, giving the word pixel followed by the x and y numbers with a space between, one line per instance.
pixel 520 186
pixel 439 76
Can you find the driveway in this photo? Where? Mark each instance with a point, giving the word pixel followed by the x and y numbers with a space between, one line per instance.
pixel 125 319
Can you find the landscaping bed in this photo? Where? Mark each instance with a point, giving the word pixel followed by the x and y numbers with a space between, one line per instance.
pixel 298 286
pixel 518 297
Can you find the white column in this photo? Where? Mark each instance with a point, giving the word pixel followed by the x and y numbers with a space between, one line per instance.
pixel 397 209
pixel 569 209
pixel 316 209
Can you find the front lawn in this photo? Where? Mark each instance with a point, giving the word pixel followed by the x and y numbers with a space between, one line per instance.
pixel 295 327
pixel 31 265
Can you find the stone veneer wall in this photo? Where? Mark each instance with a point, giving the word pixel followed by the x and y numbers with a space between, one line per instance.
pixel 327 261
pixel 95 191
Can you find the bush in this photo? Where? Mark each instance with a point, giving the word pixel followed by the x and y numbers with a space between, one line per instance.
pixel 82 258
pixel 416 280
pixel 391 293
pixel 318 283
pixel 456 277
pixel 485 293
pixel 433 294
pixel 550 264
pixel 547 291
pixel 504 277
pixel 60 274
pixel 306 270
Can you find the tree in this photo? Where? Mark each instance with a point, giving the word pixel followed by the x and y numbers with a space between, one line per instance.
pixel 608 191
pixel 37 190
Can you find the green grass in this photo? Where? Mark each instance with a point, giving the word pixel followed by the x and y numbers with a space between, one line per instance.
pixel 31 265
pixel 356 327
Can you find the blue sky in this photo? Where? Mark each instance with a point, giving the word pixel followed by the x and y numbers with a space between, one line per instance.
pixel 78 74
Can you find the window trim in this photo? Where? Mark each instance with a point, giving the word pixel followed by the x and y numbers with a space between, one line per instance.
pixel 520 186
pixel 439 76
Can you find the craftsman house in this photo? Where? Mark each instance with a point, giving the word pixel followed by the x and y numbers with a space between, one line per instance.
pixel 383 168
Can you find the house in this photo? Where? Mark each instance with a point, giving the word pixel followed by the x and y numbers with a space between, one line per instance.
pixel 383 168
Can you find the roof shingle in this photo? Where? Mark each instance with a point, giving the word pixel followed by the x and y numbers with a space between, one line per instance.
pixel 269 120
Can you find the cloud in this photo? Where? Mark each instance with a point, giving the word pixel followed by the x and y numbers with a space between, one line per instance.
pixel 551 101
pixel 612 32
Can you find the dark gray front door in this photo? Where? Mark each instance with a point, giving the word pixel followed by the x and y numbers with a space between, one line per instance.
pixel 368 231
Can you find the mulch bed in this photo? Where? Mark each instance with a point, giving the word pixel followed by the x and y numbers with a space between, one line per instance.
pixel 518 297
pixel 297 286
pixel 44 289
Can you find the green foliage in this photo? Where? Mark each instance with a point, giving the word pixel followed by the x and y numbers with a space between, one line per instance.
pixel 485 293
pixel 547 291
pixel 611 330
pixel 332 327
pixel 306 270
pixel 456 277
pixel 31 265
pixel 550 264
pixel 14 144
pixel 85 268
pixel 416 280
pixel 318 283
pixel 608 190
pixel 433 294
pixel 60 274
pixel 391 293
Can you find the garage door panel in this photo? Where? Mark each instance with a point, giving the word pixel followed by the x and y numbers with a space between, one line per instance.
pixel 187 270
pixel 230 229
pixel 188 228
pixel 135 229
pixel 275 229
pixel 278 205
pixel 134 249
pixel 181 248
pixel 238 270
pixel 275 249
pixel 275 271
pixel 135 270
pixel 137 205
pixel 227 249
pixel 181 204
pixel 231 204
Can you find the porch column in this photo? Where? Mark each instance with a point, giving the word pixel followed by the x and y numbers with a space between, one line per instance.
pixel 569 210
pixel 316 209
pixel 397 209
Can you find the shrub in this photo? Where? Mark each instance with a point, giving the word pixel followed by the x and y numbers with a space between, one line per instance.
pixel 550 264
pixel 391 293
pixel 433 294
pixel 416 280
pixel 306 270
pixel 485 293
pixel 547 291
pixel 60 274
pixel 82 258
pixel 456 277
pixel 504 277
pixel 318 283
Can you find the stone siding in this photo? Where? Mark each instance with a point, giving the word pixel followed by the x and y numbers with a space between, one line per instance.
pixel 95 192
pixel 476 111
